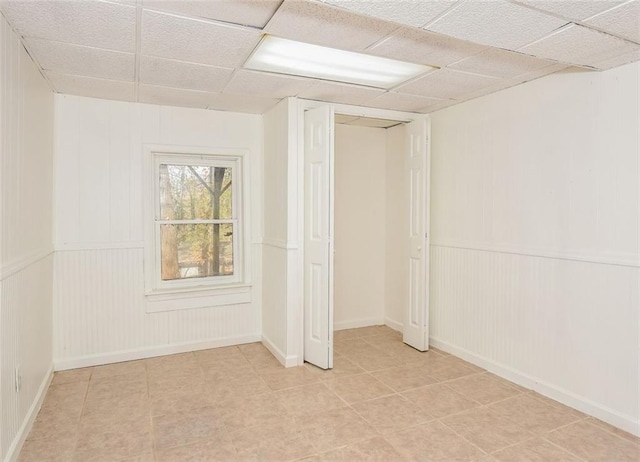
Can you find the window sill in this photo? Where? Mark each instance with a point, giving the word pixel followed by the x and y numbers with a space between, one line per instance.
pixel 197 297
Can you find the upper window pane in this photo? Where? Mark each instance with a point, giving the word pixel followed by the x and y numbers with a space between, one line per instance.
pixel 195 192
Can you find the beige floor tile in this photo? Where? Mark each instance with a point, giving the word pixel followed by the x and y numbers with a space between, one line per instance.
pixel 435 442
pixel 115 419
pixel 391 413
pixel 49 449
pixel 173 384
pixel 148 457
pixel 50 425
pixel 614 430
pixel 351 346
pixel 373 450
pixel 374 330
pixel 137 404
pixel 342 367
pixel 115 369
pixel 440 400
pixel 486 430
pixel 455 371
pixel 72 375
pixel 236 386
pixel 307 399
pixel 68 397
pixel 592 443
pixel 288 378
pixel 374 360
pixel 535 450
pixel 180 400
pixel 280 441
pixel 345 334
pixel 119 443
pixel 333 429
pixel 173 366
pixel 358 388
pixel 535 413
pixel 116 387
pixel 229 359
pixel 182 428
pixel 403 378
pixel 485 388
pixel 202 451
pixel 251 411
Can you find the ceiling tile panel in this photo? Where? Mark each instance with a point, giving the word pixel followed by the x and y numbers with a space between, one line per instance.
pixel 423 47
pixel 173 37
pixel 403 102
pixel 91 23
pixel 415 13
pixel 66 58
pixel 623 21
pixel 242 103
pixel 501 63
pixel 340 93
pixel 447 83
pixel 577 10
pixel 246 82
pixel 619 60
pixel 174 96
pixel 321 24
pixel 178 74
pixel 254 13
pixel 496 23
pixel 580 46
pixel 89 86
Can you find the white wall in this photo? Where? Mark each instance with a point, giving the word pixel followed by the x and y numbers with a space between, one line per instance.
pixel 396 277
pixel 279 307
pixel 359 226
pixel 26 153
pixel 534 217
pixel 99 309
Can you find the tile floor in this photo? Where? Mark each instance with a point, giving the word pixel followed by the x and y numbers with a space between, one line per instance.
pixel 383 401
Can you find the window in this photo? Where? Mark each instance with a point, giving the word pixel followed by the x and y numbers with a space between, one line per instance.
pixel 195 234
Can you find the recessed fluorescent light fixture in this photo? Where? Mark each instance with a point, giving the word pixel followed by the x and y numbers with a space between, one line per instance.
pixel 284 56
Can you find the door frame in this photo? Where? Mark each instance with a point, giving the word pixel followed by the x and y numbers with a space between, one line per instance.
pixel 299 199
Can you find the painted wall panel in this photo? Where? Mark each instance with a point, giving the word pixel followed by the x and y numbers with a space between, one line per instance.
pixel 100 308
pixel 360 226
pixel 535 210
pixel 396 277
pixel 26 158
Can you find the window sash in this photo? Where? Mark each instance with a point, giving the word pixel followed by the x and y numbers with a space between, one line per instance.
pixel 236 211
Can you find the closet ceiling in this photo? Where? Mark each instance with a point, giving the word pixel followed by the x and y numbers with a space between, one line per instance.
pixel 191 53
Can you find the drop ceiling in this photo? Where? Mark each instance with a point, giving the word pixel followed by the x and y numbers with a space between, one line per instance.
pixel 191 52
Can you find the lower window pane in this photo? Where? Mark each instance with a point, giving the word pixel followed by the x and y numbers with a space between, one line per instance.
pixel 196 251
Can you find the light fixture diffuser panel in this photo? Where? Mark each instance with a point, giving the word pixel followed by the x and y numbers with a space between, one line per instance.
pixel 284 56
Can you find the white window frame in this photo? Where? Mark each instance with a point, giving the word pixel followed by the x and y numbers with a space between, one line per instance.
pixel 196 292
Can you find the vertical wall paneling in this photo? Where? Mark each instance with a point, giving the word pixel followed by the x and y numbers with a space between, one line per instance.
pixel 100 307
pixel 26 157
pixel 535 262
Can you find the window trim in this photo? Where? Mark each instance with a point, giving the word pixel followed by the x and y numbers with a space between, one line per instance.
pixel 198 292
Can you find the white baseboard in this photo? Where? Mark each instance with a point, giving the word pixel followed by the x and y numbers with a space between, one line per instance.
pixel 286 361
pixel 150 352
pixel 354 324
pixel 624 422
pixel 27 423
pixel 395 325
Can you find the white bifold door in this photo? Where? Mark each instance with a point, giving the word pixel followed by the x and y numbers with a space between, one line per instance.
pixel 416 312
pixel 318 236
